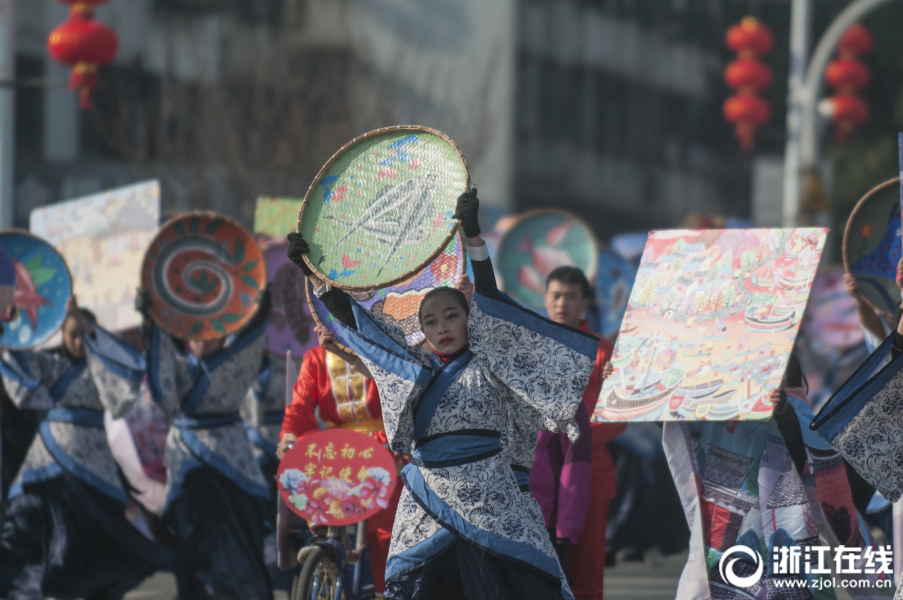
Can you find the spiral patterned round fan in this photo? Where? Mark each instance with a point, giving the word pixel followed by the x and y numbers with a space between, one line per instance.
pixel 203 274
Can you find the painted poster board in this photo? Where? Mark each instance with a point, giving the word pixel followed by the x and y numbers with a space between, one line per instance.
pixel 711 321
pixel 103 238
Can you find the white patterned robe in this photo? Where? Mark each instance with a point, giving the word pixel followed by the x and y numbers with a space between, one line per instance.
pixel 72 437
pixel 863 421
pixel 453 418
pixel 205 396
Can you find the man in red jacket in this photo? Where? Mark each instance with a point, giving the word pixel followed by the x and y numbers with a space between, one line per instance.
pixel 329 393
pixel 576 507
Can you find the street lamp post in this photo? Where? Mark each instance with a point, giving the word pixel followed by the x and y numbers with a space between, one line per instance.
pixel 802 150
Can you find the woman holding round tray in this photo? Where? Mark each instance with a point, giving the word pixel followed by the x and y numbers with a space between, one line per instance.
pixel 463 527
pixel 203 282
pixel 65 533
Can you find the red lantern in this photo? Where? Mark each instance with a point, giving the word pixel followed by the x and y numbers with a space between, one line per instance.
pixel 746 113
pixel 856 41
pixel 747 75
pixel 847 112
pixel 85 45
pixel 750 38
pixel 847 75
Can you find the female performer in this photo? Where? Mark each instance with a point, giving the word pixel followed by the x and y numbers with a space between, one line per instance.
pixel 65 531
pixel 463 527
pixel 216 494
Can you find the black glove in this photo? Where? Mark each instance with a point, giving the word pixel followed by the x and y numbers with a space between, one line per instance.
pixel 297 248
pixel 466 211
pixel 143 303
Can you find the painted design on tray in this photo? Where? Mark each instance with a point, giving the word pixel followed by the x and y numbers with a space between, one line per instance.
pixel 710 324
pixel 42 288
pixel 397 217
pixel 206 273
pixel 881 262
pixel 383 207
pixel 536 245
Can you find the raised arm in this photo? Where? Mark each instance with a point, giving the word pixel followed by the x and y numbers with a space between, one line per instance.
pixel 467 211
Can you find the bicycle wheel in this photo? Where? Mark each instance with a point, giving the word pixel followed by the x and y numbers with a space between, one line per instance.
pixel 318 577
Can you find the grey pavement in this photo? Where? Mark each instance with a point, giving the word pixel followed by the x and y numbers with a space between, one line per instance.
pixel 626 581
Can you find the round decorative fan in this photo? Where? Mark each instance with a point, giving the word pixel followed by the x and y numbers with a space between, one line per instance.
pixel 381 208
pixel 203 274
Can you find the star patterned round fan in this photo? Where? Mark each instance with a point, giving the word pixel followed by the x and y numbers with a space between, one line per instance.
pixel 539 242
pixel 43 285
pixel 872 246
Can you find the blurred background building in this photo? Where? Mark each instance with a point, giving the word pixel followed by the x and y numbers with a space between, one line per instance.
pixel 611 108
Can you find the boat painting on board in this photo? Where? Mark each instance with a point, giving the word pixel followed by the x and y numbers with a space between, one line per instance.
pixel 711 321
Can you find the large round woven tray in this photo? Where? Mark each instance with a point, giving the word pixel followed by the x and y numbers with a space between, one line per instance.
pixel 400 304
pixel 203 274
pixel 872 246
pixel 43 285
pixel 539 242
pixel 381 208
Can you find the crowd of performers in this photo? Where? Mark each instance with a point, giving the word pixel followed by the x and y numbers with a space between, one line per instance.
pixel 506 482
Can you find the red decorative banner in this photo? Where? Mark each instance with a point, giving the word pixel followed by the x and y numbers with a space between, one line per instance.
pixel 336 477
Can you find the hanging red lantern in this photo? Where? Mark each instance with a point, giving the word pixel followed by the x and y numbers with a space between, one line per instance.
pixel 750 38
pixel 847 75
pixel 746 113
pixel 856 41
pixel 747 75
pixel 85 45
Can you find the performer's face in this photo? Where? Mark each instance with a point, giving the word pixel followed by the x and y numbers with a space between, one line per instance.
pixel 444 323
pixel 200 348
pixel 72 339
pixel 565 302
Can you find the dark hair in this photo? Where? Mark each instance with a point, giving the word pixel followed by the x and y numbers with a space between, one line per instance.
pixel 87 314
pixel 455 293
pixel 794 376
pixel 570 276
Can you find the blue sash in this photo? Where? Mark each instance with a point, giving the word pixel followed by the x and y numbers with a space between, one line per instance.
pixel 59 389
pixel 429 400
pixel 455 448
pixel 851 397
pixel 210 421
pixel 79 416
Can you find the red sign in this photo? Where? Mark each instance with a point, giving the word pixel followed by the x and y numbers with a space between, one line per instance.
pixel 336 477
